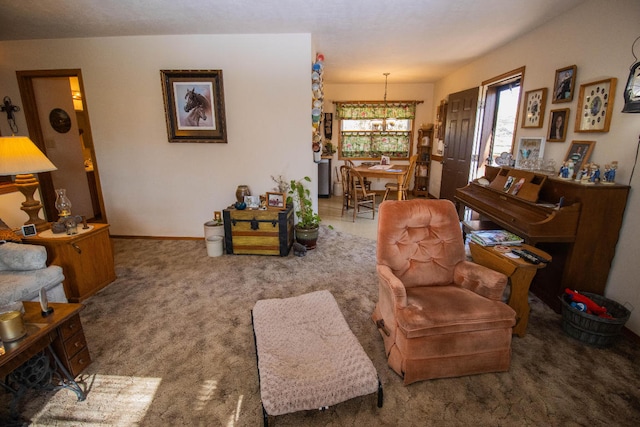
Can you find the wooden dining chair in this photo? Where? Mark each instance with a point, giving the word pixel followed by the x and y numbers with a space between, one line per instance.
pixel 404 186
pixel 367 183
pixel 362 198
pixel 346 188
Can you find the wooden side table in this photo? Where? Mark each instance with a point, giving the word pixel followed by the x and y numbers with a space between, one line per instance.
pixel 520 274
pixel 86 259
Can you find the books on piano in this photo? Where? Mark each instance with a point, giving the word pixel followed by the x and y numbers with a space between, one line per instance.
pixel 495 237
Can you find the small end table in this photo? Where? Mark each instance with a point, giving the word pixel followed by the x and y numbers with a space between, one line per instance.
pixel 520 274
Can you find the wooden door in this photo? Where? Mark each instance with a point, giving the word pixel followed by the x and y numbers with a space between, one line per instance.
pixel 458 141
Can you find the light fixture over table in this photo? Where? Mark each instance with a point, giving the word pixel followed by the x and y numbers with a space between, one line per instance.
pixel 19 156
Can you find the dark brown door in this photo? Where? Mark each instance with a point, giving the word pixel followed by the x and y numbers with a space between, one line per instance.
pixel 458 141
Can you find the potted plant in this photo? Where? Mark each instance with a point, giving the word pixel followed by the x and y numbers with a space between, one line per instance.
pixel 308 221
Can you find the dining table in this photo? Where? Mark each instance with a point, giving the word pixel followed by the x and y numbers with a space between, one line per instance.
pixel 382 171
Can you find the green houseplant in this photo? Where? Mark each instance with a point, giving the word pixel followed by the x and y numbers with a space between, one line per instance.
pixel 308 221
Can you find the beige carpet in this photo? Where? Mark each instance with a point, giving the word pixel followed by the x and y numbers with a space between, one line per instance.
pixel 172 345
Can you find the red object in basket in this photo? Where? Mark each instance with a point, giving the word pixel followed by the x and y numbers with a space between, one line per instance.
pixel 592 307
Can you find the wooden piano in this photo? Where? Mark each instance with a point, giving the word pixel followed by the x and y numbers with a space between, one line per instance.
pixel 577 224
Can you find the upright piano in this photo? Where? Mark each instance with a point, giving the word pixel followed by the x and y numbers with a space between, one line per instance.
pixel 577 224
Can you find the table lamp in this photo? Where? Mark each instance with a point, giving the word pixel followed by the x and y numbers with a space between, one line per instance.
pixel 19 156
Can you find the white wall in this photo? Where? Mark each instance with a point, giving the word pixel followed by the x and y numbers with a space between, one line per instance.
pixel 155 188
pixel 375 92
pixel 597 38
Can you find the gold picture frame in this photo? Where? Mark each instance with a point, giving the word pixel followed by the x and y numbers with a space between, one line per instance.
pixel 276 200
pixel 558 120
pixel 580 153
pixel 194 105
pixel 595 106
pixel 533 109
pixel 564 84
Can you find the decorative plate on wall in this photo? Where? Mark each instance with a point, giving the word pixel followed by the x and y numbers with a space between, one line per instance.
pixel 60 120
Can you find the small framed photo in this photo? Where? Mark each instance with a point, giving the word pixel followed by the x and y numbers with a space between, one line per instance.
pixel 29 230
pixel 564 84
pixel 595 106
pixel 217 216
pixel 252 202
pixel 558 125
pixel 579 153
pixel 533 111
pixel 530 151
pixel 276 200
pixel 194 105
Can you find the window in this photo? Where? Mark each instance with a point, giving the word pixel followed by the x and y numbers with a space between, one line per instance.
pixel 505 119
pixel 374 129
pixel 499 114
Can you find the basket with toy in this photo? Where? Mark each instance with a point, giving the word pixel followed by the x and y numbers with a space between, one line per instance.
pixel 591 318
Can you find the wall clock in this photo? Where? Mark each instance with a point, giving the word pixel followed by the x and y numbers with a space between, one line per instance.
pixel 533 114
pixel 595 105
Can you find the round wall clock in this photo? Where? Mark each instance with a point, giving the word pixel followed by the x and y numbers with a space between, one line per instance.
pixel 60 120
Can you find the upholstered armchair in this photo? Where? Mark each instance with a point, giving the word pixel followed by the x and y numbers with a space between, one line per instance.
pixel 439 315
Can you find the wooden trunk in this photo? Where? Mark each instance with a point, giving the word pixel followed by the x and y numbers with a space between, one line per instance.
pixel 258 232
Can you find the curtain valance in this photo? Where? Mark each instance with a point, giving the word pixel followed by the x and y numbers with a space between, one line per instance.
pixel 376 110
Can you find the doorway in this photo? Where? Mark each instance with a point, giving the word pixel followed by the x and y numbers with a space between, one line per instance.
pixel 58 123
pixel 458 141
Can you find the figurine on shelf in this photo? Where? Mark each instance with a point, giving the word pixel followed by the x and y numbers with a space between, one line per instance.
pixel 583 174
pixel 570 166
pixel 594 173
pixel 610 173
pixel 564 171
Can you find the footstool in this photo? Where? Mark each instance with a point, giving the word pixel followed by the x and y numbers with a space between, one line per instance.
pixel 308 358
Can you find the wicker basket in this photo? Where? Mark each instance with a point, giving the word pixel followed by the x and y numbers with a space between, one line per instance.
pixel 594 330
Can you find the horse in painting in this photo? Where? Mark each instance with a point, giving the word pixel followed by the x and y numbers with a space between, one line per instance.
pixel 196 106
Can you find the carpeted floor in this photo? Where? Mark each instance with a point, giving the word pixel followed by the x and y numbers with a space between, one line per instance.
pixel 172 345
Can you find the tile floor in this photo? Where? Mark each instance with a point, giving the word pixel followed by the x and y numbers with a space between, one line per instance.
pixel 330 210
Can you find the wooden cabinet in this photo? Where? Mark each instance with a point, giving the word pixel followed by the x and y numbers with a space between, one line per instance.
pixel 86 259
pixel 423 150
pixel 71 346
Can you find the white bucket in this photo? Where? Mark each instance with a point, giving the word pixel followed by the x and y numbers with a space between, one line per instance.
pixel 214 246
pixel 337 188
pixel 213 228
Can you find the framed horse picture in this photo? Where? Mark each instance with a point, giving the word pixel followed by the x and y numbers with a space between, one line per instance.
pixel 194 105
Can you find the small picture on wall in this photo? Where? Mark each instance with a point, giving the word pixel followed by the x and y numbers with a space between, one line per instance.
pixel 564 84
pixel 558 125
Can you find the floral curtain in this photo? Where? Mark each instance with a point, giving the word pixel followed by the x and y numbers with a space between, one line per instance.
pixel 363 111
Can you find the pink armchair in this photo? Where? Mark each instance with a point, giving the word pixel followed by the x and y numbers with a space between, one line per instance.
pixel 438 314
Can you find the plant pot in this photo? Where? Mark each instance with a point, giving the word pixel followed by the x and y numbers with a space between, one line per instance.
pixel 307 237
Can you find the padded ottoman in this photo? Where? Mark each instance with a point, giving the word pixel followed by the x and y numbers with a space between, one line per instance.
pixel 308 358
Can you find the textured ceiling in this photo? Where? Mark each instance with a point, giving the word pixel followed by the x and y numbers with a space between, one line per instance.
pixel 417 41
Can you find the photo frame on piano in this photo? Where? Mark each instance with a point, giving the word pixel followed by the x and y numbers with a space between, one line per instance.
pixel 579 153
pixel 529 153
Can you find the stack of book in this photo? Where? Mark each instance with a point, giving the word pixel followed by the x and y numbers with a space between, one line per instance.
pixel 495 237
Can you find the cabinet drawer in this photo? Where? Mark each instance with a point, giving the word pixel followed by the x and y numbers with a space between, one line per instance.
pixel 70 327
pixel 79 362
pixel 75 344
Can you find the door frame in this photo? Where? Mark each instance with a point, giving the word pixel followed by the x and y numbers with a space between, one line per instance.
pixel 25 85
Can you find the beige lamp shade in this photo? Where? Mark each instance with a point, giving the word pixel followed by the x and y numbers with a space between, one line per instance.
pixel 19 155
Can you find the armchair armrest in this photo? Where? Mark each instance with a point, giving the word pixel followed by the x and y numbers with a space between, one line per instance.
pixel 479 279
pixel 394 286
pixel 20 257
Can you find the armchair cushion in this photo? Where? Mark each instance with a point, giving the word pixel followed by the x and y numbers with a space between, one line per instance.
pixel 450 309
